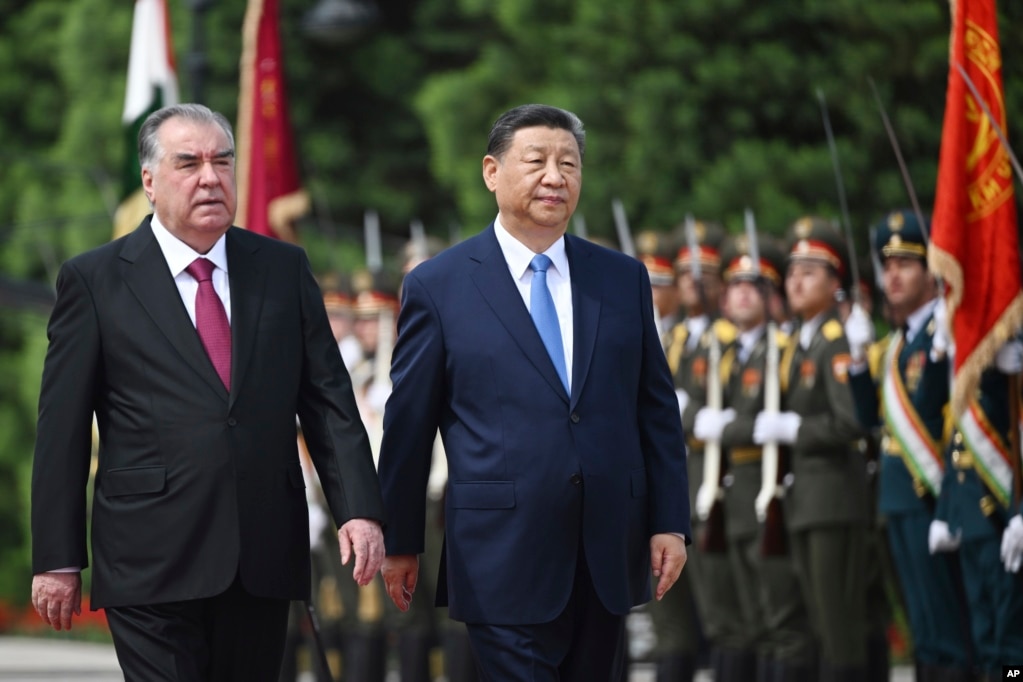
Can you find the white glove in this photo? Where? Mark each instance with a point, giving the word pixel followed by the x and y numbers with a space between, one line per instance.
pixel 710 423
pixel 859 331
pixel 776 427
pixel 705 497
pixel 377 395
pixel 762 502
pixel 1012 544
pixel 1009 359
pixel 941 342
pixel 683 399
pixel 940 538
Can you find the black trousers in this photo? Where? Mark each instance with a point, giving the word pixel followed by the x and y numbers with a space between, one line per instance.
pixel 233 636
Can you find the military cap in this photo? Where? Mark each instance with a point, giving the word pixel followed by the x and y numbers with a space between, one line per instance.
pixel 818 240
pixel 738 264
pixel 710 239
pixel 899 234
pixel 337 294
pixel 374 293
pixel 655 250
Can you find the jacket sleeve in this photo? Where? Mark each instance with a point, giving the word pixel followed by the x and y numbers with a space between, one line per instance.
pixel 60 470
pixel 661 436
pixel 333 430
pixel 411 418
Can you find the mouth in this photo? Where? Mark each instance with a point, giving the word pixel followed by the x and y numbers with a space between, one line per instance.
pixel 551 200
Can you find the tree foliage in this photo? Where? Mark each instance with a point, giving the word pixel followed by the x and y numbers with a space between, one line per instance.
pixel 706 108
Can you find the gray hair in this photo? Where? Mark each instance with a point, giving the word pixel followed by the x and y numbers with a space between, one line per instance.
pixel 149 145
pixel 529 116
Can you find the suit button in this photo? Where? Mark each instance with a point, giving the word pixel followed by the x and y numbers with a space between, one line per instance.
pixel 576 479
pixel 575 417
pixel 231 421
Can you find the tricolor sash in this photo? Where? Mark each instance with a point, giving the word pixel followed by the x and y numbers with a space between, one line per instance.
pixel 919 449
pixel 990 452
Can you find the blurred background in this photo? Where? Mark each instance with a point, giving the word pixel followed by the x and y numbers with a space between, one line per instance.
pixel 690 107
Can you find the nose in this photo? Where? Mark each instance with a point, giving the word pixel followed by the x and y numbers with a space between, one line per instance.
pixel 208 174
pixel 552 174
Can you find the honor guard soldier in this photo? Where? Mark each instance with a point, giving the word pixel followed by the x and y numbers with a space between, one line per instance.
pixel 826 501
pixel 774 615
pixel 698 268
pixel 744 367
pixel 978 512
pixel 902 387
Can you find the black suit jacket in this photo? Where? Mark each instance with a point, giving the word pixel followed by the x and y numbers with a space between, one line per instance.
pixel 194 485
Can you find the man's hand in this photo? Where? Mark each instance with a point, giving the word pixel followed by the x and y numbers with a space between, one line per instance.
pixel 56 596
pixel 365 538
pixel 401 573
pixel 667 557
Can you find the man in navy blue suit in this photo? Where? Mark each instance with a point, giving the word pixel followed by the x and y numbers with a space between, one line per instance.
pixel 536 355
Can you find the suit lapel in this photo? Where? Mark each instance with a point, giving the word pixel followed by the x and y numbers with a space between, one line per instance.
pixel 586 295
pixel 248 280
pixel 148 277
pixel 495 284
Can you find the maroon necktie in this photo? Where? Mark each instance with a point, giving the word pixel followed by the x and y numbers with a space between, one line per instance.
pixel 211 320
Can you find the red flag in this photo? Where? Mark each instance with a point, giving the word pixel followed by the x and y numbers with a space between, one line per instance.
pixel 270 196
pixel 974 242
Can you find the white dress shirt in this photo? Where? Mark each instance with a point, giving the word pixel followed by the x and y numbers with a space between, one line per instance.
pixel 180 255
pixel 916 319
pixel 748 341
pixel 559 281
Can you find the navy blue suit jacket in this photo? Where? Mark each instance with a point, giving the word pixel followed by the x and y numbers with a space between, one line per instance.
pixel 532 471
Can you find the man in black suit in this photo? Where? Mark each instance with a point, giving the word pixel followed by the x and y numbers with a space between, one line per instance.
pixel 195 344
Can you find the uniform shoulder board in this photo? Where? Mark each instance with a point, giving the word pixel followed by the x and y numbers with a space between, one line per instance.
pixel 679 333
pixel 832 330
pixel 725 330
pixel 876 353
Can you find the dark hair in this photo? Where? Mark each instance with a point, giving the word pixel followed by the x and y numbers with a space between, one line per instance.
pixel 149 145
pixel 528 116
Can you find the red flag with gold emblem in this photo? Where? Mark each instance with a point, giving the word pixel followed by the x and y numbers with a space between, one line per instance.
pixel 974 242
pixel 270 195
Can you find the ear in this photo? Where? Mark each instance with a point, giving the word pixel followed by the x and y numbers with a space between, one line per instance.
pixel 147 183
pixel 490 168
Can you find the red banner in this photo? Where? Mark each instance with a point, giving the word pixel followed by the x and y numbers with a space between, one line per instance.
pixel 974 241
pixel 270 196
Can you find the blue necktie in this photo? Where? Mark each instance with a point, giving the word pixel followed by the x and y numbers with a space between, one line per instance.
pixel 545 316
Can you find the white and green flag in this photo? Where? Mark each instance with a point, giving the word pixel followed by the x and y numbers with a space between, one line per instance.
pixel 152 83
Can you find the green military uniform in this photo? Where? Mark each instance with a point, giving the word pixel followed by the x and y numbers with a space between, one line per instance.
pixel 826 502
pixel 711 577
pixel 775 623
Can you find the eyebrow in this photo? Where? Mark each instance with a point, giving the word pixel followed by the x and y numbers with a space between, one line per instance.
pixel 223 154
